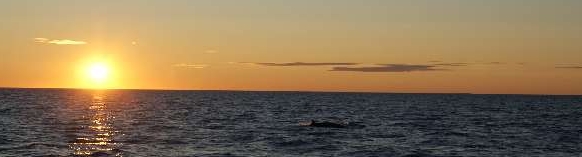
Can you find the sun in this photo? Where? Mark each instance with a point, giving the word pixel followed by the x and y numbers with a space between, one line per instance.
pixel 98 72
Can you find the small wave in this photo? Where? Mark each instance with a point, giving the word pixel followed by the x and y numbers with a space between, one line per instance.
pixel 218 155
pixel 138 140
pixel 174 141
pixel 111 153
pixel 156 128
pixel 569 138
pixel 292 143
pixel 33 146
pixel 321 133
pixel 5 141
pixel 387 135
pixel 242 137
pixel 452 133
pixel 383 151
pixel 418 155
pixel 5 110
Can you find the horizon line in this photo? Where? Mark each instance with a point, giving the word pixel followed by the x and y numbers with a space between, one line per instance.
pixel 299 91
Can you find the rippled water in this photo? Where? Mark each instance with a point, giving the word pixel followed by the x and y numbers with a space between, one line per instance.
pixel 212 123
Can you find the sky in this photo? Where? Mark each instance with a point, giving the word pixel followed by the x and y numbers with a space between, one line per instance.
pixel 418 46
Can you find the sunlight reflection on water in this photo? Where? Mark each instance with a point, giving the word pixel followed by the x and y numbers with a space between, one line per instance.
pixel 98 136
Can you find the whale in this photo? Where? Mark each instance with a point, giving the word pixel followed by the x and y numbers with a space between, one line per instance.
pixel 324 124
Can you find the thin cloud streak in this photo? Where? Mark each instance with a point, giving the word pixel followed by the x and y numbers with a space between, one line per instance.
pixel 194 66
pixel 495 63
pixel 452 64
pixel 67 42
pixel 40 40
pixel 211 51
pixel 59 42
pixel 389 68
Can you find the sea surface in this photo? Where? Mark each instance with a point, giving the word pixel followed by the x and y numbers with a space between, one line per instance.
pixel 67 122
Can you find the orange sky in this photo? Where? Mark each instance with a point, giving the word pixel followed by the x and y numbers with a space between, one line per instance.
pixel 468 46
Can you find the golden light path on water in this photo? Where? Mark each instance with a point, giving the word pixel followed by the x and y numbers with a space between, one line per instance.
pixel 98 136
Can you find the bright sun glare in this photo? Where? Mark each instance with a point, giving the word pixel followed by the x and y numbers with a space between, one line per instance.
pixel 98 72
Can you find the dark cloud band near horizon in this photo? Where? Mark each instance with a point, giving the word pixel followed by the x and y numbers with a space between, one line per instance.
pixel 304 63
pixel 351 66
pixel 569 67
pixel 389 68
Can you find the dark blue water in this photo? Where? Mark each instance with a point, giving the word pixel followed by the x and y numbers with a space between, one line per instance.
pixel 38 122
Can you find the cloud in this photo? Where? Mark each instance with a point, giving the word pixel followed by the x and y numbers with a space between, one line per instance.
pixel 211 51
pixel 569 67
pixel 452 64
pixel 351 66
pixel 495 63
pixel 40 40
pixel 301 64
pixel 194 66
pixel 389 68
pixel 59 42
pixel 67 42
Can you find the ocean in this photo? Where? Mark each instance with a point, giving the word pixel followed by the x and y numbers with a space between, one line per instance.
pixel 71 122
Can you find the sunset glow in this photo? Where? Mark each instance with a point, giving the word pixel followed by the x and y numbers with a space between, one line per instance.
pixel 290 78
pixel 425 46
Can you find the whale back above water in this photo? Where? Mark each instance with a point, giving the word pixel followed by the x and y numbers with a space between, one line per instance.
pixel 324 124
